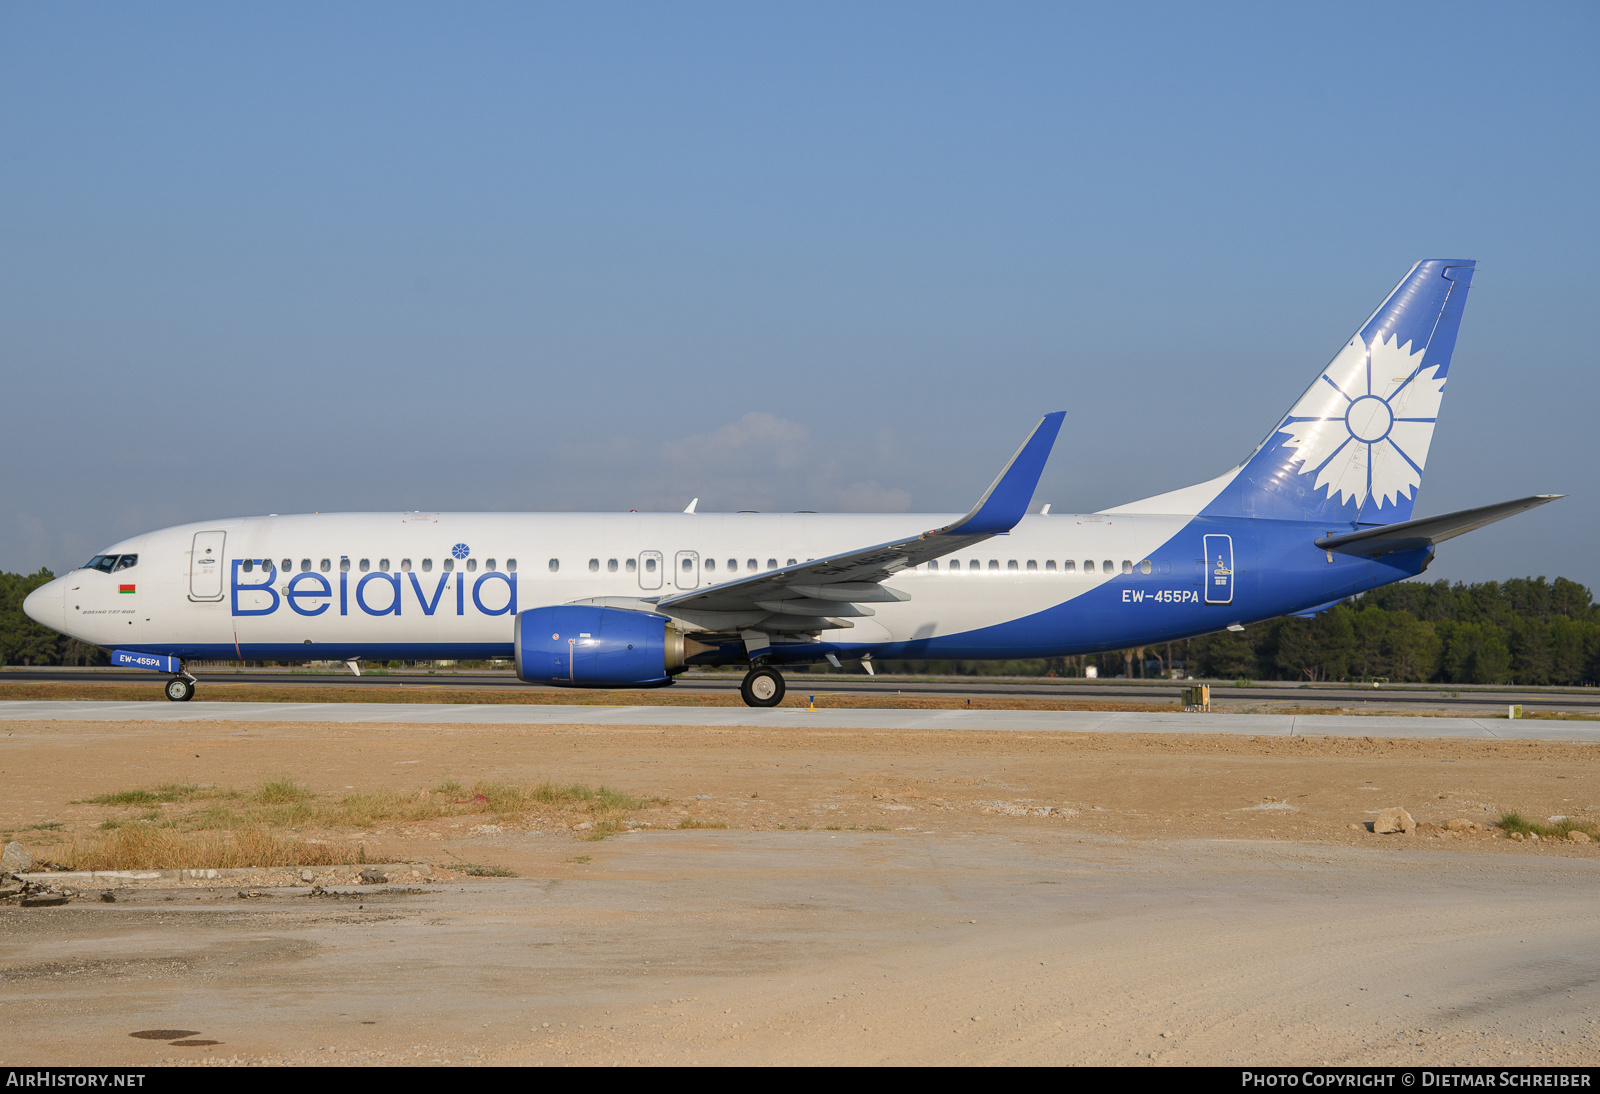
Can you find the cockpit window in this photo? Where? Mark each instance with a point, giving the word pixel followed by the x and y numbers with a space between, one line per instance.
pixel 125 562
pixel 108 564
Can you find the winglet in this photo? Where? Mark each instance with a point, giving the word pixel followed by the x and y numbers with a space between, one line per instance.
pixel 1006 500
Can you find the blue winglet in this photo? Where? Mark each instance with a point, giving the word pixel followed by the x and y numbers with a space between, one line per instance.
pixel 1006 500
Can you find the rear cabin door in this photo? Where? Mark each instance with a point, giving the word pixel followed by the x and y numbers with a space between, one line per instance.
pixel 206 566
pixel 1219 569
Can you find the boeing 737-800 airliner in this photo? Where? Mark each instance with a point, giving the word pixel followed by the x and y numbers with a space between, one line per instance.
pixel 1320 511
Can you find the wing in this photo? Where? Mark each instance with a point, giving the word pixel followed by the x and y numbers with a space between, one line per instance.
pixel 824 593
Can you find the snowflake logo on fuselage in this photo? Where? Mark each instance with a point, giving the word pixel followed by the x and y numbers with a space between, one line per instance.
pixel 461 550
pixel 1363 429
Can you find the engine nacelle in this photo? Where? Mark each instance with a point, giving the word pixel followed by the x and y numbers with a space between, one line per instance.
pixel 580 645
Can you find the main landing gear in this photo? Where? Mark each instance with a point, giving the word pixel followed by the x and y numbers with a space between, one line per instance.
pixel 762 687
pixel 180 689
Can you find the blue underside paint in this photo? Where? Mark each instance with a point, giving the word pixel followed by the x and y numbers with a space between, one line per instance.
pixel 335 651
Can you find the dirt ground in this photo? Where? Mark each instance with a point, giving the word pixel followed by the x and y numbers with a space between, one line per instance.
pixel 876 897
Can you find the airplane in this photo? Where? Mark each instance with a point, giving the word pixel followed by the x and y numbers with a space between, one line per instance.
pixel 1320 511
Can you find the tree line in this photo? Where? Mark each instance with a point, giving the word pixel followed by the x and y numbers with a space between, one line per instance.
pixel 1523 631
pixel 24 642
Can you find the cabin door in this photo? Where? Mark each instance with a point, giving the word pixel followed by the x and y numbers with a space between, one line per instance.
pixel 206 566
pixel 1219 569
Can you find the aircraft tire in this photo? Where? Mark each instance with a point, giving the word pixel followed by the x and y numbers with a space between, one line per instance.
pixel 762 687
pixel 180 690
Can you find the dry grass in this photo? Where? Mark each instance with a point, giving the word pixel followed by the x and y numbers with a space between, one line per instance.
pixel 161 795
pixel 700 822
pixel 153 847
pixel 229 827
pixel 1512 821
pixel 283 803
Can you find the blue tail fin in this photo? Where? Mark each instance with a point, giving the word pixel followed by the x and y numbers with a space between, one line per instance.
pixel 1353 447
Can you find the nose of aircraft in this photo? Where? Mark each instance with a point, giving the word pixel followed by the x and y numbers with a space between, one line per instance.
pixel 46 604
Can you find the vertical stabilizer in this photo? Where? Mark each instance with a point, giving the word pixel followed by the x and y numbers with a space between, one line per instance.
pixel 1353 447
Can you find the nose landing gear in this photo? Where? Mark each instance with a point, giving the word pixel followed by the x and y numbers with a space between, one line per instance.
pixel 180 689
pixel 763 687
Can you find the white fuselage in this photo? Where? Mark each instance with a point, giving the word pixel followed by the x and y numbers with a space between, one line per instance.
pixel 329 582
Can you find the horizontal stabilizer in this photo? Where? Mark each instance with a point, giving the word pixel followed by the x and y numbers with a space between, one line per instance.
pixel 1413 535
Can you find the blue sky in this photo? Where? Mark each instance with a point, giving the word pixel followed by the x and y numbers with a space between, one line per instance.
pixel 386 256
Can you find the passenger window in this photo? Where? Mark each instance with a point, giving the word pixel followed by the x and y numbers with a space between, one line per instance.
pixel 750 564
pixel 1050 565
pixel 789 563
pixel 427 565
pixel 344 565
pixel 994 564
pixel 1108 567
pixel 974 564
pixel 288 566
pixel 383 564
pixel 555 565
pixel 594 565
pixel 1088 565
pixel 449 565
pixel 249 566
pixel 326 566
pixel 649 565
pixel 472 565
pixel 1032 565
pixel 633 564
pixel 1011 564
pixel 305 565
pixel 772 564
pixel 365 565
pixel 733 565
pixel 488 564
pixel 688 564
pixel 1069 567
pixel 405 566
pixel 1127 567
pixel 611 565
pixel 511 565
pixel 1145 567
pixel 711 565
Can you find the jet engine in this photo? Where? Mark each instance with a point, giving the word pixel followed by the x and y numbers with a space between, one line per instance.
pixel 581 645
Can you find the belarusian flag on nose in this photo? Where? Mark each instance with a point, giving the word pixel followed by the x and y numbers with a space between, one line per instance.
pixel 124 588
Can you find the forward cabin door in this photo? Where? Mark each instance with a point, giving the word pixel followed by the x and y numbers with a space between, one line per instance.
pixel 206 566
